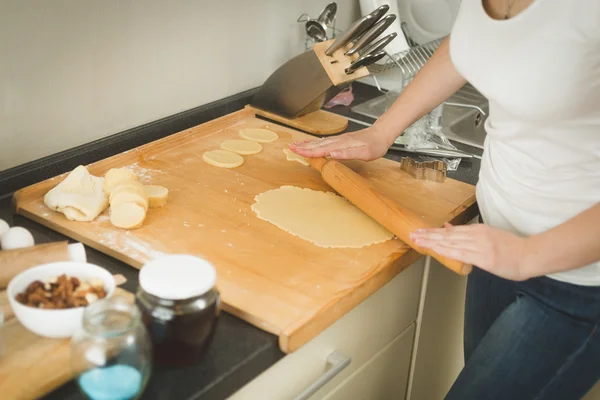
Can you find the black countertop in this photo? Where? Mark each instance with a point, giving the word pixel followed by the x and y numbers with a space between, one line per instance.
pixel 240 351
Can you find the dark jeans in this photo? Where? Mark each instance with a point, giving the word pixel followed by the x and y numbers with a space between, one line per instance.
pixel 538 339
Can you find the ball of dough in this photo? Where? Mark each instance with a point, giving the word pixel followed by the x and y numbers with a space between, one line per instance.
pixel 3 227
pixel 115 176
pixel 127 215
pixel 16 238
pixel 157 195
pixel 223 158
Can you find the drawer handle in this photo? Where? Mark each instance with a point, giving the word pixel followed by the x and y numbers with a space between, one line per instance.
pixel 337 363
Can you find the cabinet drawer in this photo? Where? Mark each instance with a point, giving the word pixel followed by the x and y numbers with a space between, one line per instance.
pixel 385 376
pixel 360 334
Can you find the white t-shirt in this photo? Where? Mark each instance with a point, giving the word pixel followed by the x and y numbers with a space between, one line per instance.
pixel 540 71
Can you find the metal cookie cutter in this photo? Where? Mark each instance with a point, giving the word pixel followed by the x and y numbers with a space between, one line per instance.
pixel 427 170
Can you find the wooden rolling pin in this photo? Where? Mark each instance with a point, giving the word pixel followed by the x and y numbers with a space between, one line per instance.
pixel 12 262
pixel 382 209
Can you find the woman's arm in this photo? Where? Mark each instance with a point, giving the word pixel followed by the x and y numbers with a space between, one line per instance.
pixel 568 246
pixel 434 83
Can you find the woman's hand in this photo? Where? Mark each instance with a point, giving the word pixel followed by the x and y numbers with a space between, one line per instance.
pixel 496 251
pixel 367 144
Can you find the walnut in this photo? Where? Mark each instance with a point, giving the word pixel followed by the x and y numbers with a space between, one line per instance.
pixel 62 292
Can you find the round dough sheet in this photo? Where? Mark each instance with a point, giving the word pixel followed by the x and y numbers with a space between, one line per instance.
pixel 223 158
pixel 258 135
pixel 323 218
pixel 242 146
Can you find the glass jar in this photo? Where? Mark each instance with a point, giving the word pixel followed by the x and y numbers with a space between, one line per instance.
pixel 111 352
pixel 180 308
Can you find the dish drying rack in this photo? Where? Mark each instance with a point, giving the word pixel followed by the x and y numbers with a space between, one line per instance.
pixel 410 62
pixel 427 131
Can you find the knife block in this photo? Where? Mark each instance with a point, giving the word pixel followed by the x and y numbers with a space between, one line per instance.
pixel 295 93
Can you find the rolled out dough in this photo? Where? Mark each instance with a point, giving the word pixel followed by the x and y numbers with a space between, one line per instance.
pixel 323 218
pixel 291 156
pixel 258 135
pixel 242 146
pixel 80 197
pixel 223 158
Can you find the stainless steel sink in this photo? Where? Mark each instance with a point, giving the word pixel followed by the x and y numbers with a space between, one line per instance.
pixel 465 125
pixel 463 114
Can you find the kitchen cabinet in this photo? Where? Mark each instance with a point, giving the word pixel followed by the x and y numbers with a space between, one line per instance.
pixel 438 349
pixel 385 376
pixel 438 354
pixel 378 334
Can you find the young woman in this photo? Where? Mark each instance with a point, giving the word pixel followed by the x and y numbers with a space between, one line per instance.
pixel 532 323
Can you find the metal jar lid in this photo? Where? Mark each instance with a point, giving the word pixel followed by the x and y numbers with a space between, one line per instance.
pixel 177 277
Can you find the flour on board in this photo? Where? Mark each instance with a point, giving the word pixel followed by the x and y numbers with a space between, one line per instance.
pixel 130 245
pixel 144 174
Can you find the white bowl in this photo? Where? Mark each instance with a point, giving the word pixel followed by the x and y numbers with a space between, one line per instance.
pixel 54 323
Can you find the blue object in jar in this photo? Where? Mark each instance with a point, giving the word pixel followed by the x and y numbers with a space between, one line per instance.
pixel 117 382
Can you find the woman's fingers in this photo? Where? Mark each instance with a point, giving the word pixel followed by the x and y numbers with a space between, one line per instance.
pixel 441 235
pixel 450 243
pixel 313 144
pixel 359 152
pixel 325 147
pixel 463 255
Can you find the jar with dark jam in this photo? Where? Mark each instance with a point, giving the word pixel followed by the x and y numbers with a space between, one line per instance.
pixel 180 308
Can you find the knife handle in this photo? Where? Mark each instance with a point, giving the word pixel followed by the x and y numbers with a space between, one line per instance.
pixel 354 31
pixel 381 208
pixel 364 61
pixel 358 29
pixel 380 44
pixel 372 33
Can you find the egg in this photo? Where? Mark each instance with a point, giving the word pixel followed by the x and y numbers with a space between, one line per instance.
pixel 16 238
pixel 3 227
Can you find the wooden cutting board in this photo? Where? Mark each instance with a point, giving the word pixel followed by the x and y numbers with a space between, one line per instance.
pixel 31 366
pixel 276 281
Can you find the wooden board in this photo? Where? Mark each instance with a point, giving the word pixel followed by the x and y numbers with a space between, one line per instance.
pixel 320 122
pixel 276 281
pixel 31 366
pixel 335 65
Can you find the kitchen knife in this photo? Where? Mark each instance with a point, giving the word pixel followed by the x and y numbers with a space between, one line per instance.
pixel 372 33
pixel 357 29
pixel 365 61
pixel 380 44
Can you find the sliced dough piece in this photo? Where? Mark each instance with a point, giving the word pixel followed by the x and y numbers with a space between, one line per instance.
pixel 323 218
pixel 242 146
pixel 291 156
pixel 223 158
pixel 115 176
pixel 259 135
pixel 127 186
pixel 127 215
pixel 79 196
pixel 130 197
pixel 157 195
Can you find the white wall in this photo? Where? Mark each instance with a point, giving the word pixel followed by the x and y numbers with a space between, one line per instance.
pixel 72 71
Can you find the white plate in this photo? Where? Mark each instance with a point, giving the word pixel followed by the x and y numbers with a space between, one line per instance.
pixel 428 20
